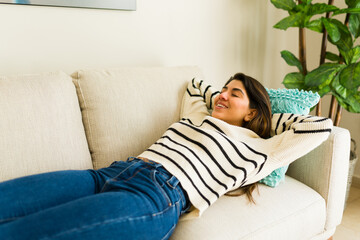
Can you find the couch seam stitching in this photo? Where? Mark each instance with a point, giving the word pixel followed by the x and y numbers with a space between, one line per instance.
pixel 87 118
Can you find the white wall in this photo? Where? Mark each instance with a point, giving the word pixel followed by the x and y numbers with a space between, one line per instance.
pixel 160 32
pixel 220 36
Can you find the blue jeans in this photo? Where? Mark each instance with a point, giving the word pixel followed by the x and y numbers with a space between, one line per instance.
pixel 127 200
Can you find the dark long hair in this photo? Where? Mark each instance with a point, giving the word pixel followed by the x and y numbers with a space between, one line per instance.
pixel 261 123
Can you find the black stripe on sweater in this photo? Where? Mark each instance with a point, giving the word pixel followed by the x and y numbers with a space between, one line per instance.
pixel 302 120
pixel 181 169
pixel 278 123
pixel 201 82
pixel 236 149
pixel 312 131
pixel 193 83
pixel 197 157
pixel 213 125
pixel 219 146
pixel 187 119
pixel 211 98
pixel 192 165
pixel 284 123
pixel 233 145
pixel 322 120
pixel 204 95
pixel 193 95
pixel 259 153
pixel 295 119
pixel 218 129
pixel 207 152
pixel 206 89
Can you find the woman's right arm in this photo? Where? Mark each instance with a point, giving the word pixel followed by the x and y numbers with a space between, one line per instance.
pixel 198 100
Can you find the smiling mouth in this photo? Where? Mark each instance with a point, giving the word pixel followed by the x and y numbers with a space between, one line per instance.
pixel 219 105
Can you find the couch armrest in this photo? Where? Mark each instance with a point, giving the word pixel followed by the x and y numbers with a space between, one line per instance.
pixel 325 169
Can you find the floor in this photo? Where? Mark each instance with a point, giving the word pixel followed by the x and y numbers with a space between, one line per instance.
pixel 349 228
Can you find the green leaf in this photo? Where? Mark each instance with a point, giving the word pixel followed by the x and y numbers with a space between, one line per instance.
pixel 338 88
pixel 354 103
pixel 341 101
pixel 294 80
pixel 355 54
pixel 284 4
pixel 351 56
pixel 333 31
pixel 354 19
pixel 315 25
pixel 322 75
pixel 346 55
pixel 291 60
pixel 346 10
pixel 322 90
pixel 350 77
pixel 320 8
pixel 299 8
pixel 352 3
pixel 325 87
pixel 290 21
pixel 332 57
pixel 307 2
pixel 345 42
pixel 354 25
pixel 351 103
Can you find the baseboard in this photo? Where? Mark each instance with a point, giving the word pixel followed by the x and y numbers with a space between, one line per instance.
pixel 355 182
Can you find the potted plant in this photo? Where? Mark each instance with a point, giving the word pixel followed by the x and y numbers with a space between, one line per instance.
pixel 338 74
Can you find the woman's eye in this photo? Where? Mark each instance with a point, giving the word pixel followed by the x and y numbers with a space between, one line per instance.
pixel 234 95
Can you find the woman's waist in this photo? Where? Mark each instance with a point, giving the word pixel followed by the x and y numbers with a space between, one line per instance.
pixel 164 176
pixel 152 163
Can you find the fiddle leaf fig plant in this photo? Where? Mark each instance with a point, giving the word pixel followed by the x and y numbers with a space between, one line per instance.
pixel 338 73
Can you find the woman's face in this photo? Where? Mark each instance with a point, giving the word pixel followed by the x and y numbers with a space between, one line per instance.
pixel 233 104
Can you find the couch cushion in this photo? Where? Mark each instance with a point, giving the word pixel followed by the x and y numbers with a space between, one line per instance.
pixel 40 125
pixel 126 110
pixel 291 209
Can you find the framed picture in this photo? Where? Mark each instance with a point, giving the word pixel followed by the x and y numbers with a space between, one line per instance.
pixel 101 4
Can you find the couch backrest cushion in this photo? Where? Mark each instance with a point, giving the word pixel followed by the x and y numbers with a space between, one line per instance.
pixel 40 125
pixel 126 110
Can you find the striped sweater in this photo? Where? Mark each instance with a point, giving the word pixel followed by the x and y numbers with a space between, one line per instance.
pixel 211 157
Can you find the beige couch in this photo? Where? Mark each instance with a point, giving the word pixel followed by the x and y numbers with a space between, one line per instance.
pixel 49 124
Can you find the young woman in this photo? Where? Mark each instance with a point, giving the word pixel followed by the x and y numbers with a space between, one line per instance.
pixel 196 161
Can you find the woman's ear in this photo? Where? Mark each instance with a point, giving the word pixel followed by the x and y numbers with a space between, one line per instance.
pixel 251 114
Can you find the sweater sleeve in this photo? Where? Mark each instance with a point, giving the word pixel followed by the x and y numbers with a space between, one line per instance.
pixel 296 135
pixel 198 101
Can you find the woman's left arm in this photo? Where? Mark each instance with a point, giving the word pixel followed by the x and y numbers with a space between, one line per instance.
pixel 296 135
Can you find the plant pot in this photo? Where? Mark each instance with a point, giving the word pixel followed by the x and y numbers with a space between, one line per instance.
pixel 352 164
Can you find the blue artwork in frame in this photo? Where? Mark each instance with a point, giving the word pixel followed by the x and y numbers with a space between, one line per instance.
pixel 101 4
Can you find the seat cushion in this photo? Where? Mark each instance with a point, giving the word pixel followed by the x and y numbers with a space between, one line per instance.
pixel 290 211
pixel 125 110
pixel 40 125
